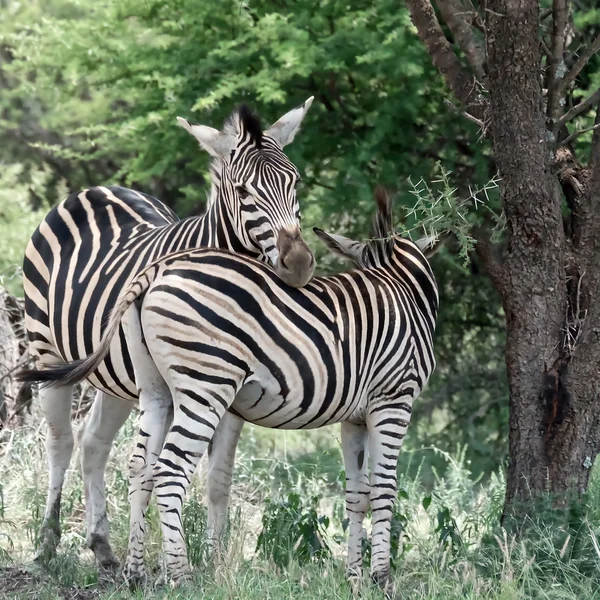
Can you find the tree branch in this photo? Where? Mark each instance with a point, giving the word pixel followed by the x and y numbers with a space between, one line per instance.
pixel 560 12
pixel 579 108
pixel 458 80
pixel 570 77
pixel 576 134
pixel 468 116
pixel 453 14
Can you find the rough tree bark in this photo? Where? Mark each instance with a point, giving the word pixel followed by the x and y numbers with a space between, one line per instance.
pixel 549 275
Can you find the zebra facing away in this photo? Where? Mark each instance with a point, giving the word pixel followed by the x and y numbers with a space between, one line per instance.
pixel 218 332
pixel 89 248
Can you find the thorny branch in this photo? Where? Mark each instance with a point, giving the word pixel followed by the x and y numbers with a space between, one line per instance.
pixel 467 115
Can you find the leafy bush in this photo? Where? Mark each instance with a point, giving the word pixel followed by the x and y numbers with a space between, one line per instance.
pixel 17 220
pixel 292 529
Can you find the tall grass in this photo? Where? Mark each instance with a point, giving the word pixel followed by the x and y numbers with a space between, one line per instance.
pixel 287 530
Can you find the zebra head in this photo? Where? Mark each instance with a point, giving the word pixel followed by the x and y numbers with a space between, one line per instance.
pixel 257 184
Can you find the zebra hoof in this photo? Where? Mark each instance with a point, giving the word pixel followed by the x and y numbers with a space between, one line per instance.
pixel 100 546
pixel 108 571
pixel 383 580
pixel 178 578
pixel 355 583
pixel 49 538
pixel 134 576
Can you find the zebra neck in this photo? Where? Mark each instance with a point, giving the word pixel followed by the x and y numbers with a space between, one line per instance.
pixel 217 228
pixel 417 285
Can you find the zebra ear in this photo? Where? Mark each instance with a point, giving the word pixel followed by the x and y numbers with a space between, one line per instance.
pixel 284 130
pixel 215 142
pixel 342 246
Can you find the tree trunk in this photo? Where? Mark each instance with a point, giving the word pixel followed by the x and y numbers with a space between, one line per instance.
pixel 549 281
pixel 550 285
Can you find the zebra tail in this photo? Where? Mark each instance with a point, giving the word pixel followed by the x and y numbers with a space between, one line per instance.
pixel 76 371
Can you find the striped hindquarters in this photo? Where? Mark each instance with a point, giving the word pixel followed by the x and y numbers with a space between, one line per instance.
pixel 77 262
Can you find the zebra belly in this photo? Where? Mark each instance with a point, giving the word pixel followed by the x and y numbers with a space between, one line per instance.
pixel 262 403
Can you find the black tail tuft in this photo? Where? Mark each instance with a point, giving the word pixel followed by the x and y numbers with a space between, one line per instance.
pixel 50 375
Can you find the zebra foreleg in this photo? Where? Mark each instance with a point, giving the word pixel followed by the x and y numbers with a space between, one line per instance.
pixel 387 428
pixel 56 406
pixel 354 448
pixel 221 459
pixel 102 425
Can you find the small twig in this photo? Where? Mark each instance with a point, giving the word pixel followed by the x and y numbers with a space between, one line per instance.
pixel 24 359
pixel 545 47
pixel 580 63
pixel 576 134
pixel 465 114
pixel 579 108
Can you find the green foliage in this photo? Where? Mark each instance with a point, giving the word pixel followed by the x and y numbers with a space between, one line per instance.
pixel 17 220
pixel 194 525
pixel 292 529
pixel 439 212
pixel 117 84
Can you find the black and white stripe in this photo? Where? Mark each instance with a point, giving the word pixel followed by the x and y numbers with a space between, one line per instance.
pixel 90 247
pixel 228 338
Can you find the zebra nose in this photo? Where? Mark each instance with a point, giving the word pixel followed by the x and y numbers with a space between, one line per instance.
pixel 296 263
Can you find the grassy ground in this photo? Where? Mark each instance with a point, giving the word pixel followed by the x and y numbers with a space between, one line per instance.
pixel 288 492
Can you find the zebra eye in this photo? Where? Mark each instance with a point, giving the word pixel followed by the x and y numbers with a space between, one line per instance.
pixel 243 193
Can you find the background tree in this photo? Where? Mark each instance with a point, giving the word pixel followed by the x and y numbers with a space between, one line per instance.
pixel 90 95
pixel 516 71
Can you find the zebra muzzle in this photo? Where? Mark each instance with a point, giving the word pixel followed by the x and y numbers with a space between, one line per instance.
pixel 296 263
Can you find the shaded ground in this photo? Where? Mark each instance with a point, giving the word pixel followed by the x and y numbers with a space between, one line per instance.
pixel 18 583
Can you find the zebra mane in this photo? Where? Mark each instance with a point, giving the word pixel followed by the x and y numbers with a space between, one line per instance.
pixel 381 244
pixel 243 120
pixel 382 224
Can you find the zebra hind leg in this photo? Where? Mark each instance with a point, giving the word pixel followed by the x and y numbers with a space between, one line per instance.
pixel 101 427
pixel 354 448
pixel 387 428
pixel 197 414
pixel 155 418
pixel 221 459
pixel 154 422
pixel 56 407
